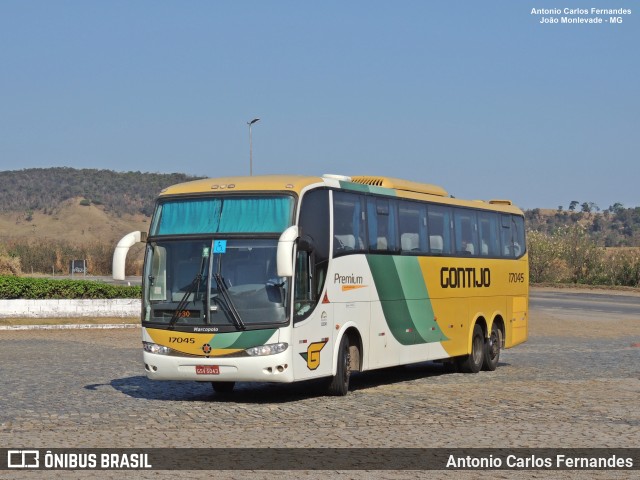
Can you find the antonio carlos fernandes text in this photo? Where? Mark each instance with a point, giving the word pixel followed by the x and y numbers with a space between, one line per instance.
pixel 533 462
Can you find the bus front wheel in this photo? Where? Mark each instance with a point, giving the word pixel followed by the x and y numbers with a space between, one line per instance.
pixel 339 385
pixel 472 363
pixel 223 387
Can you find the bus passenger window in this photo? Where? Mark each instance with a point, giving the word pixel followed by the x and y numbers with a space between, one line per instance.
pixel 466 232
pixel 412 224
pixel 489 234
pixel 349 231
pixel 439 226
pixel 381 216
pixel 517 226
pixel 506 234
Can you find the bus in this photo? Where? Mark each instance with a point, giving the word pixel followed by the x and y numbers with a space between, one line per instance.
pixel 288 278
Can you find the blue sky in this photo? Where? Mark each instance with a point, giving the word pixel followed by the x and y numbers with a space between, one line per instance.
pixel 476 96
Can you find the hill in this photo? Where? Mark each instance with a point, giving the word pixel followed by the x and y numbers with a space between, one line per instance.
pixel 46 190
pixel 79 206
pixel 614 227
pixel 70 221
pixel 85 205
pixel 49 216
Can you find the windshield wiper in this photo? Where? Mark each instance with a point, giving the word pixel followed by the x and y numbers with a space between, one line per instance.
pixel 185 299
pixel 224 292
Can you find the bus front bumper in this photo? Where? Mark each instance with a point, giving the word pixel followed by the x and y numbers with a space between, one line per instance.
pixel 268 368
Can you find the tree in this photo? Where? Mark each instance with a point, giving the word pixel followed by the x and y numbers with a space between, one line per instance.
pixel 583 256
pixel 616 208
pixel 545 262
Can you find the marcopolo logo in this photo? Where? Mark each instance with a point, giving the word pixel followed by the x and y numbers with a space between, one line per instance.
pixel 23 459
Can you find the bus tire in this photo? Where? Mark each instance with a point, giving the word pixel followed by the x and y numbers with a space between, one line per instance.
pixel 339 385
pixel 472 363
pixel 492 349
pixel 223 387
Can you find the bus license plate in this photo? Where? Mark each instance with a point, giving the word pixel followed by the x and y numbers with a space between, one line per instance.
pixel 207 370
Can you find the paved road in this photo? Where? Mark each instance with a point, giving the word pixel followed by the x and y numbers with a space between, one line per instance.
pixel 618 304
pixel 563 388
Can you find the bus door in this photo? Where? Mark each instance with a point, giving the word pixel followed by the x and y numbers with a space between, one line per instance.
pixel 312 338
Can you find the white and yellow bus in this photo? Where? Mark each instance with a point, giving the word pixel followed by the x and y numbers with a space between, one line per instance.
pixel 287 278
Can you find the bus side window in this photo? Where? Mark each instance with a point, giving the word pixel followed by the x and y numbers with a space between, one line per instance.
pixel 506 236
pixel 466 232
pixel 311 266
pixel 439 226
pixel 382 224
pixel 158 277
pixel 314 223
pixel 517 226
pixel 489 234
pixel 303 288
pixel 349 232
pixel 412 224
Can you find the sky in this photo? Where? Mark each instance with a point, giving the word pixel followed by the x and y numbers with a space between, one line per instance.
pixel 478 97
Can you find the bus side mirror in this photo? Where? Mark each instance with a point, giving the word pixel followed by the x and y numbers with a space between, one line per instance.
pixel 305 243
pixel 285 251
pixel 121 250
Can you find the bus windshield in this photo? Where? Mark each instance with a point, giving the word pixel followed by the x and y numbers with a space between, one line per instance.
pixel 214 282
pixel 228 214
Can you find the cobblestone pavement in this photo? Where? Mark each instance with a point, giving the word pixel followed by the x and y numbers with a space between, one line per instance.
pixel 575 383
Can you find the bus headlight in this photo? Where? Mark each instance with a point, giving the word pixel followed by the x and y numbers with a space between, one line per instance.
pixel 155 348
pixel 270 349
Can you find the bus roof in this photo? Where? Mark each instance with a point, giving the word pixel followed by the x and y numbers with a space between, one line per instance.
pixel 294 183
pixel 370 183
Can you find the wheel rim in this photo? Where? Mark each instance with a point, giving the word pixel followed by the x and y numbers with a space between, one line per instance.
pixel 494 346
pixel 477 350
pixel 345 366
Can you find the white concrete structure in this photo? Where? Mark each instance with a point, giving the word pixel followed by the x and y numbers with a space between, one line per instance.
pixel 78 308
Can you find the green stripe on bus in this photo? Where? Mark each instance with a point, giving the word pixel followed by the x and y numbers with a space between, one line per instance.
pixel 354 187
pixel 404 299
pixel 359 187
pixel 417 297
pixel 248 339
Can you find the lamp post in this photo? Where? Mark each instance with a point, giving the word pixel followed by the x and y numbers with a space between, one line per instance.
pixel 251 146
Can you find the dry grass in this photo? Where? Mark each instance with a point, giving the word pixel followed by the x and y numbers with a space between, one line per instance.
pixel 73 223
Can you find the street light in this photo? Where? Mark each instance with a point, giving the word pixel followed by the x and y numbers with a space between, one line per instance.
pixel 251 146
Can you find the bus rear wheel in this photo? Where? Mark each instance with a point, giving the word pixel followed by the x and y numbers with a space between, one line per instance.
pixel 472 363
pixel 339 385
pixel 223 387
pixel 492 349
